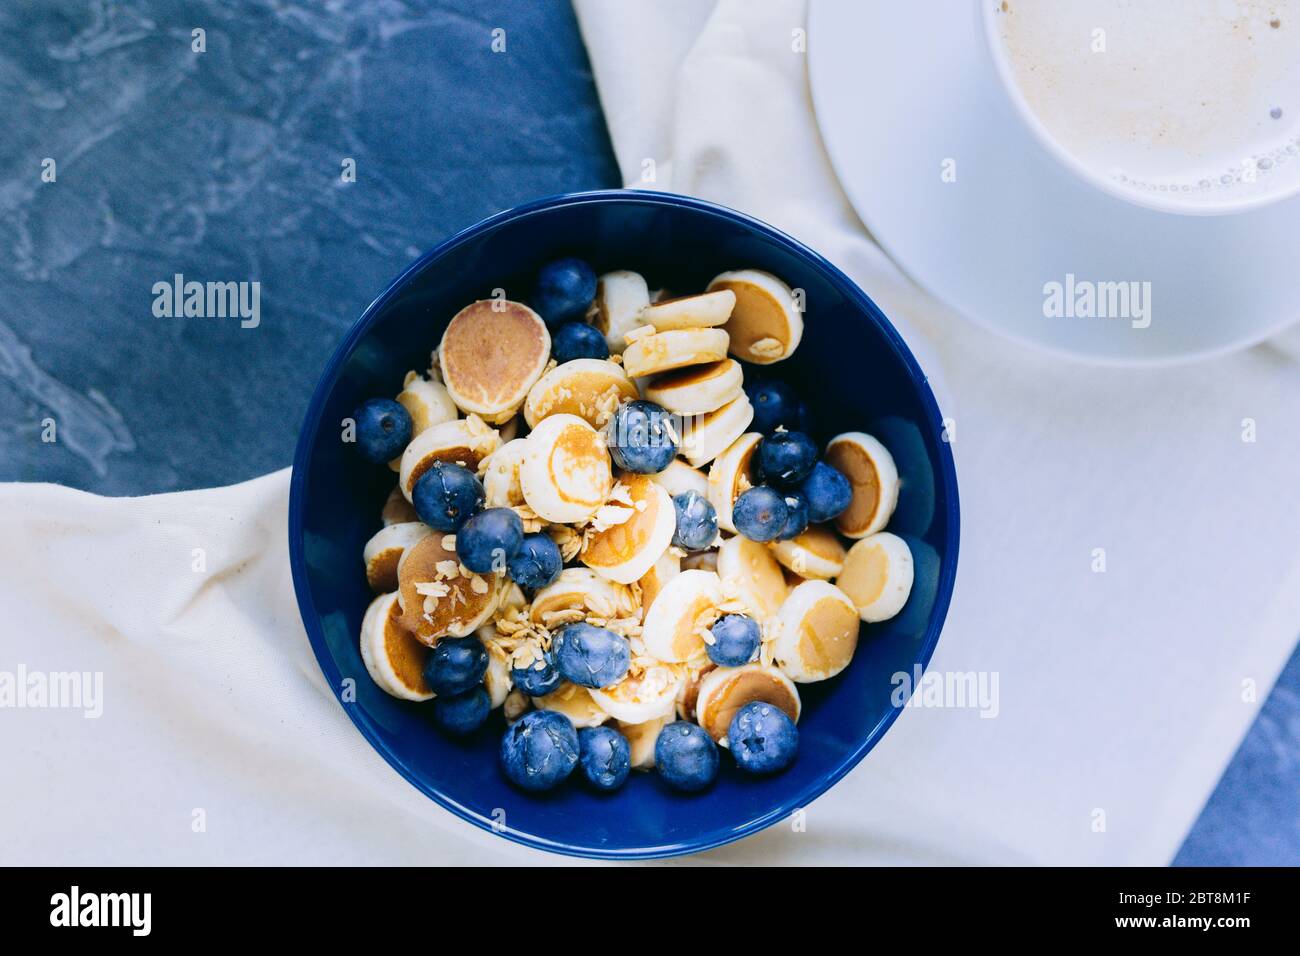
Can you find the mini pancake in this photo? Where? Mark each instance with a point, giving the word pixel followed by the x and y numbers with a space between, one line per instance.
pixel 690 692
pixel 707 436
pixel 616 310
pixel 661 572
pixel 685 608
pixel 765 325
pixel 701 560
pixel 565 474
pixel 645 696
pixel 428 402
pixel 457 604
pixel 501 475
pixel 815 633
pixel 625 551
pixel 814 553
pixel 733 473
pixel 641 738
pixel 585 590
pixel 749 570
pixel 592 389
pixel 385 549
pixel 397 509
pixel 574 702
pixel 676 348
pixel 725 690
pixel 509 431
pixel 872 475
pixel 877 576
pixel 496 680
pixel 491 354
pixel 698 388
pixel 393 657
pixel 691 311
pixel 466 441
pixel 679 477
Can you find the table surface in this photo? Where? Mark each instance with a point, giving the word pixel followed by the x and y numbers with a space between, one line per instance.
pixel 227 165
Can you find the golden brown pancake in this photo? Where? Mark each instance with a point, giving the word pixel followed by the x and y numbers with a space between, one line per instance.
pixel 397 510
pixel 621 543
pixel 691 691
pixel 699 388
pixel 491 354
pixel 828 635
pixel 765 326
pixel 592 389
pixel 816 552
pixel 406 655
pixel 740 686
pixel 852 461
pixel 676 348
pixel 456 612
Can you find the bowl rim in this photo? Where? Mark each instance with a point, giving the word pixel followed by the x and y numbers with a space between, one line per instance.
pixel 310 429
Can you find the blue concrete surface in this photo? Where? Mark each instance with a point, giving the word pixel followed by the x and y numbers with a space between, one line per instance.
pixel 226 165
pixel 1253 819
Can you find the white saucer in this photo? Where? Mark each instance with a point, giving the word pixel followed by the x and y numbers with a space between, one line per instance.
pixel 901 87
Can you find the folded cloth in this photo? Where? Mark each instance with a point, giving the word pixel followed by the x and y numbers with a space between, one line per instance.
pixel 200 729
pixel 1122 692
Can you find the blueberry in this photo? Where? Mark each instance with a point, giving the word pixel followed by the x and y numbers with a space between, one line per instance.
pixel 455 665
pixel 697 521
pixel 537 562
pixel 383 427
pixel 564 290
pixel 591 656
pixel 775 403
pixel 828 492
pixel 535 681
pixel 487 541
pixel 762 738
pixel 686 756
pixel 796 522
pixel 786 458
pixel 446 495
pixel 642 437
pixel 539 750
pixel 462 713
pixel 578 340
pixel 606 757
pixel 735 640
pixel 760 513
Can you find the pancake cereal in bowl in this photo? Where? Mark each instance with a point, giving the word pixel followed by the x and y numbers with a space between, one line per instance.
pixel 603 529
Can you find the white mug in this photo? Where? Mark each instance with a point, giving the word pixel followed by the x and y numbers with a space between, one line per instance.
pixel 1183 106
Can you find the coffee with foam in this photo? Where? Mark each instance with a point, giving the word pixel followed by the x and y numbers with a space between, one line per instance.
pixel 1180 103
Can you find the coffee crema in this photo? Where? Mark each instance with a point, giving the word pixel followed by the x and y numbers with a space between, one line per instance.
pixel 1194 97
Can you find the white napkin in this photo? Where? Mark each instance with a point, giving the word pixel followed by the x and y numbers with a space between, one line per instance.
pixel 217 741
pixel 1122 692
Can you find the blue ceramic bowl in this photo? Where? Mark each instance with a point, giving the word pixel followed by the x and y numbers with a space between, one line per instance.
pixel 855 372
